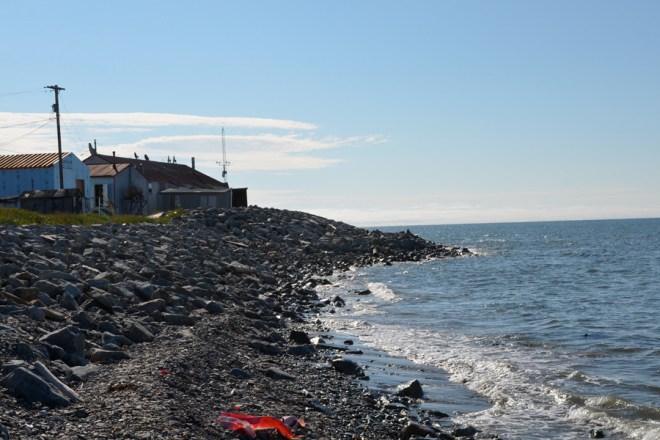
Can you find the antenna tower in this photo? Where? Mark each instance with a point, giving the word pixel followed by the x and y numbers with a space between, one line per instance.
pixel 224 157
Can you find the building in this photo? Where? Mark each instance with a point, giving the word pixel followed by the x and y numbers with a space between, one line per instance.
pixel 142 186
pixel 22 173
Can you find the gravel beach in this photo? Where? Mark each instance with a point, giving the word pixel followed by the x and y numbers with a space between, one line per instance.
pixel 151 331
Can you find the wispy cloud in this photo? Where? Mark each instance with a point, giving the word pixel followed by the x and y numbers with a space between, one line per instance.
pixel 256 144
pixel 175 120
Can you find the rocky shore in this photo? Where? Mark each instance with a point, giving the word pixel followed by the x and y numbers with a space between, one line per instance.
pixel 151 331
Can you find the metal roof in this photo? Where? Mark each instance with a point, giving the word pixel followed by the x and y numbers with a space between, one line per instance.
pixel 106 169
pixel 26 161
pixel 194 191
pixel 171 173
pixel 49 193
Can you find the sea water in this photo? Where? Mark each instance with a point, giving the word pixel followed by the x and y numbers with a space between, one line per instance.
pixel 556 324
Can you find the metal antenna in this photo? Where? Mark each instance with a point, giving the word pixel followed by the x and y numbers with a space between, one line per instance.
pixel 224 157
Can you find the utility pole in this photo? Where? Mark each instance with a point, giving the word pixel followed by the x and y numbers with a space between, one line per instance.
pixel 56 108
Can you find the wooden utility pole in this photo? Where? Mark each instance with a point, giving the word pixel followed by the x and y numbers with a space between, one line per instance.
pixel 56 108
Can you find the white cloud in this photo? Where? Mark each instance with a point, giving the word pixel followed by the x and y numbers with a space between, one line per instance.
pixel 175 120
pixel 261 144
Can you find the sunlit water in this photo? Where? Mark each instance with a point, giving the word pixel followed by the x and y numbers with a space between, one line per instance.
pixel 557 323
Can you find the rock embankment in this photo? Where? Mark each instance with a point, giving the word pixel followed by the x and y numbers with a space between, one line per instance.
pixel 150 331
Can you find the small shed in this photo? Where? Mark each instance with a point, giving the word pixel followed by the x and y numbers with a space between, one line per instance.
pixel 190 198
pixel 53 200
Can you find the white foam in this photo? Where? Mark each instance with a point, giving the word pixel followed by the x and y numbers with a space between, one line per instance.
pixel 528 401
pixel 525 405
pixel 382 291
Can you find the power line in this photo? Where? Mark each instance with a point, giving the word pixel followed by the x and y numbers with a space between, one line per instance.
pixel 23 92
pixel 11 141
pixel 66 125
pixel 26 123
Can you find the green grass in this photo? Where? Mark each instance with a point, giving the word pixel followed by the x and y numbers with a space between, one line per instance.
pixel 15 216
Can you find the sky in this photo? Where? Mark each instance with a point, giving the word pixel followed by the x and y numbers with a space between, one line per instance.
pixel 368 112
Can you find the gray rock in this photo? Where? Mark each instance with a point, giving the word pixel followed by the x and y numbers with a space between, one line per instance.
pixel 299 337
pixel 26 385
pixel 70 338
pixel 46 299
pixel 46 286
pixel 107 356
pixel 241 269
pixel 55 352
pixel 4 432
pixel 57 275
pixel 105 300
pixel 266 348
pixel 83 320
pixel 139 333
pixel 318 406
pixel 347 366
pixel 54 315
pixel 71 289
pixel 213 307
pixel 10 366
pixel 108 326
pixel 417 430
pixel 26 293
pixel 240 374
pixel 150 307
pixel 36 313
pixel 465 431
pixel 101 283
pixel 68 301
pixel 117 340
pixel 277 374
pixel 110 277
pixel 301 350
pixel 25 351
pixel 179 319
pixel 144 290
pixel 411 389
pixel 81 373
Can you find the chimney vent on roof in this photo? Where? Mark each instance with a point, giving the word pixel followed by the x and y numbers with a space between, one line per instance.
pixel 114 161
pixel 193 164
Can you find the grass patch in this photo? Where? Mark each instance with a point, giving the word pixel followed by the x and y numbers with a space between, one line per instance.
pixel 17 217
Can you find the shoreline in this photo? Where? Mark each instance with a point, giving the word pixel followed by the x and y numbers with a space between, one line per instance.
pixel 387 372
pixel 157 329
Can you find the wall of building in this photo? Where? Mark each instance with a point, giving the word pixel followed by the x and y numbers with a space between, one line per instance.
pixel 117 187
pixel 74 169
pixel 14 182
pixel 192 201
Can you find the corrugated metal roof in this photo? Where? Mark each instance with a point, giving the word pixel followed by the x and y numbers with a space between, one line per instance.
pixel 194 191
pixel 50 193
pixel 106 169
pixel 162 172
pixel 25 161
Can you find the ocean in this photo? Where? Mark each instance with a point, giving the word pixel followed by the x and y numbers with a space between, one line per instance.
pixel 554 325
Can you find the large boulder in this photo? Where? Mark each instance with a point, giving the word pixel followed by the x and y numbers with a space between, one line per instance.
pixel 347 366
pixel 411 389
pixel 414 429
pixel 70 339
pixel 26 385
pixel 139 333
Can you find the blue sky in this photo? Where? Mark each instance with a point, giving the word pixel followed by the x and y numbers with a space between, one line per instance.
pixel 369 112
